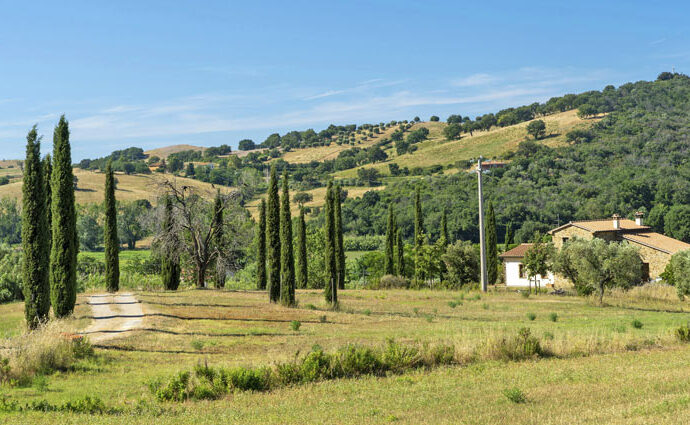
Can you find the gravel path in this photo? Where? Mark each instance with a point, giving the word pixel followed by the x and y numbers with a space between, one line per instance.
pixel 113 315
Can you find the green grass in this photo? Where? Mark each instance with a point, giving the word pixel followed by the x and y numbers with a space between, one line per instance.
pixel 598 375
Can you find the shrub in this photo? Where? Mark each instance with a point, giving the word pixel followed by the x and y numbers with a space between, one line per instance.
pixel 390 282
pixel 553 317
pixel 452 304
pixel 197 344
pixel 531 316
pixel 515 395
pixel 245 379
pixel 637 324
pixel 683 333
pixel 520 347
pixel 524 294
pixel 11 282
pixel 295 325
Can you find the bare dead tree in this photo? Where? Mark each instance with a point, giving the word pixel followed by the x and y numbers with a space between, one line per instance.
pixel 192 235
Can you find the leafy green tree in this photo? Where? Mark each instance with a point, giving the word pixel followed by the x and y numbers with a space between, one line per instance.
pixel 462 261
pixel 595 265
pixel 189 172
pixel 273 237
pixel 509 237
pixel 679 268
pixel 536 129
pixel 452 131
pixel 89 227
pixel 287 259
pixel 331 284
pixel 170 263
pixel 302 264
pixel 389 267
pixel 246 145
pixel 129 221
pixel 586 111
pixel 656 216
pixel 340 248
pixel 444 227
pixel 34 236
pixel 112 243
pixel 64 248
pixel 538 258
pixel 369 176
pixel 491 245
pixel 677 222
pixel 434 118
pixel 261 248
pixel 10 221
pixel 302 198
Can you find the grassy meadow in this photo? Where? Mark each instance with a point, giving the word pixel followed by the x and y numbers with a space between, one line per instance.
pixel 623 356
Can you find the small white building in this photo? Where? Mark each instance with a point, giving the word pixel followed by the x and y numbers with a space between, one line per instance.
pixel 515 272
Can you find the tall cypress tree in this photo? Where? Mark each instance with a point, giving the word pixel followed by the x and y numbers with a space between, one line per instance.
pixel 261 248
pixel 170 265
pixel 47 173
pixel 218 238
pixel 418 235
pixel 389 265
pixel 65 247
pixel 491 245
pixel 340 248
pixel 400 254
pixel 509 236
pixel 302 269
pixel 331 287
pixel 287 259
pixel 112 244
pixel 34 236
pixel 273 237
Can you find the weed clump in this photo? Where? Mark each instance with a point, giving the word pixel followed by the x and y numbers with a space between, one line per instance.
pixel 515 395
pixel 637 324
pixel 295 325
pixel 522 346
pixel 531 316
pixel 553 317
pixel 683 333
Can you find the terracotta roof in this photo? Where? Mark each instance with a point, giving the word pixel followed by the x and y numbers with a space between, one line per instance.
pixel 657 241
pixel 517 252
pixel 602 225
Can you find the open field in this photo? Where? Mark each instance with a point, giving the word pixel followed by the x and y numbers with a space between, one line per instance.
pixel 164 152
pixel 600 360
pixel 437 150
pixel 91 185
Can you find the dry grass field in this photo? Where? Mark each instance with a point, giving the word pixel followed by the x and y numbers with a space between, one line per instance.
pixel 164 152
pixel 603 369
pixel 90 187
pixel 437 150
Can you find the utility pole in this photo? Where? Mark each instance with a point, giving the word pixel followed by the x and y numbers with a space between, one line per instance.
pixel 482 241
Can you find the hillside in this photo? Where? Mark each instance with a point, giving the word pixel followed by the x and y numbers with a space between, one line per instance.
pixel 90 187
pixel 166 151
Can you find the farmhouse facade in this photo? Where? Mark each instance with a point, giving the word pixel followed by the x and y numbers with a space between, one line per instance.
pixel 515 273
pixel 655 249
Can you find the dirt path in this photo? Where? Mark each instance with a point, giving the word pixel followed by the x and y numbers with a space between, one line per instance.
pixel 113 315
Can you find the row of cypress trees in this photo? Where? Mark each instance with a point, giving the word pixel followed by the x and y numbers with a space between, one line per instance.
pixel 275 256
pixel 49 229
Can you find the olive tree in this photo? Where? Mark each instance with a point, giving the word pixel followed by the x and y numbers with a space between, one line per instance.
pixel 195 229
pixel 596 265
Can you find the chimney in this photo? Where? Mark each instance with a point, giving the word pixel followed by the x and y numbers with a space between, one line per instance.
pixel 616 221
pixel 639 218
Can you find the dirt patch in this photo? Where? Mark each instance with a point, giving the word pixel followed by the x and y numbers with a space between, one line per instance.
pixel 113 315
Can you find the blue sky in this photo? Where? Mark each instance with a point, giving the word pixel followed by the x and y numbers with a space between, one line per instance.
pixel 154 73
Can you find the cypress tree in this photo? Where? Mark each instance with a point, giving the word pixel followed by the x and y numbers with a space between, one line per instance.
pixel 508 240
pixel 47 173
pixel 64 249
pixel 218 237
pixel 302 270
pixel 331 287
pixel 112 245
pixel 273 237
pixel 400 251
pixel 389 266
pixel 444 227
pixel 491 245
pixel 261 248
pixel 418 235
pixel 340 248
pixel 170 266
pixel 287 259
pixel 34 236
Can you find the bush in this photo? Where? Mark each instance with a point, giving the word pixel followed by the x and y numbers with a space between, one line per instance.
pixel 11 283
pixel 363 243
pixel 553 317
pixel 522 346
pixel 531 316
pixel 683 333
pixel 295 325
pixel 637 324
pixel 515 395
pixel 391 282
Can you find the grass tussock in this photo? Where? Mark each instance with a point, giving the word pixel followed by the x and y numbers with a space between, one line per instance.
pixel 41 352
pixel 351 361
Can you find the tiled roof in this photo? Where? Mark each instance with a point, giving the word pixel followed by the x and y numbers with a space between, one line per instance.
pixel 657 241
pixel 603 225
pixel 517 252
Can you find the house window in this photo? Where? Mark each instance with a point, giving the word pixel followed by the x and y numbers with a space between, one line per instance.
pixel 645 271
pixel 522 271
pixel 565 240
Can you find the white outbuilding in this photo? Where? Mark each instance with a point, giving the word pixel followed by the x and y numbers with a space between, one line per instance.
pixel 515 272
